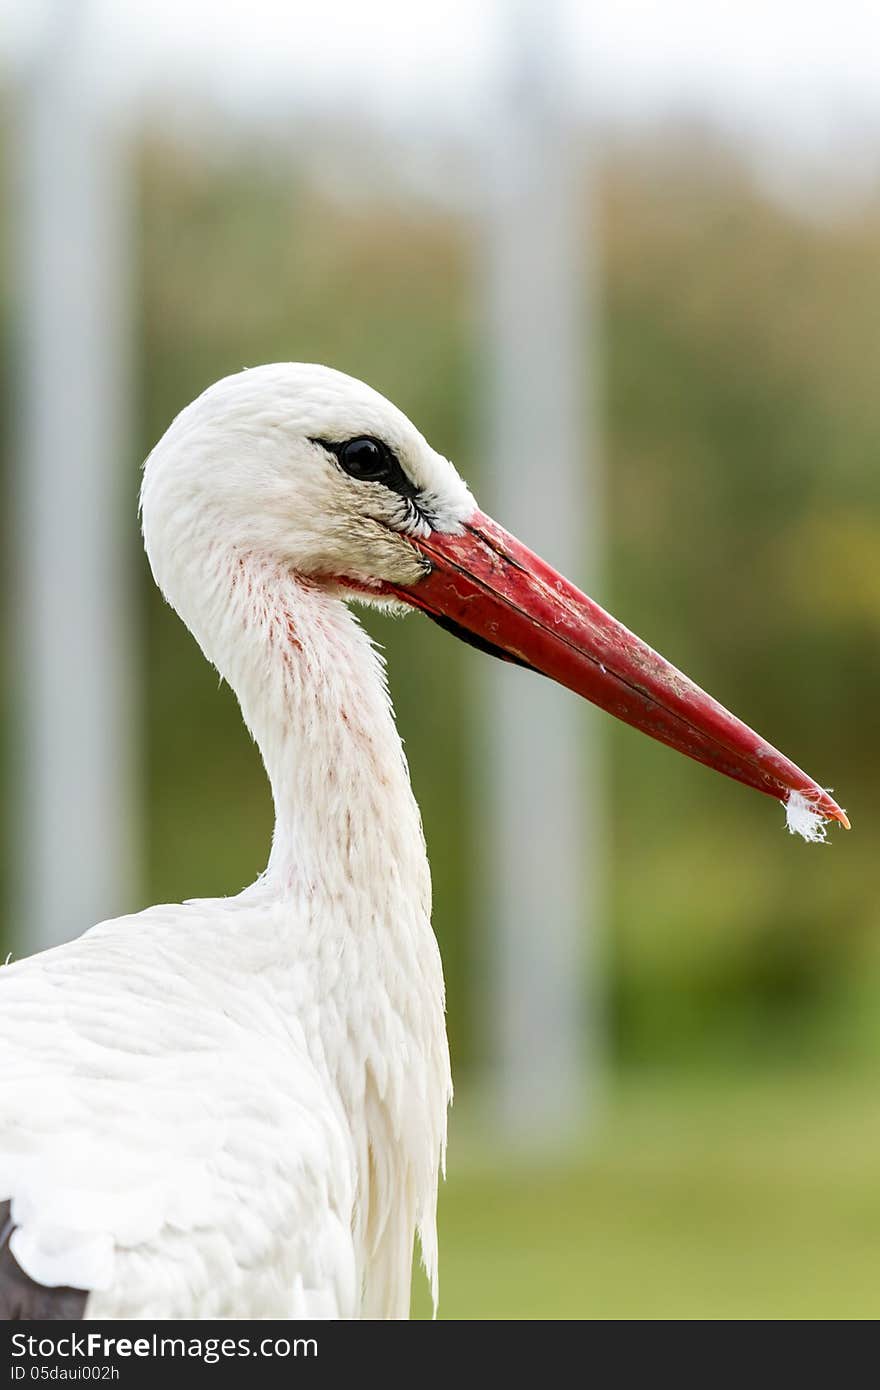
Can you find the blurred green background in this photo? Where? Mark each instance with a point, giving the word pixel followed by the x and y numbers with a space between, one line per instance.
pixel 735 1170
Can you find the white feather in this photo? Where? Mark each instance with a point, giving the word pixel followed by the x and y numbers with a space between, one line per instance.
pixel 802 819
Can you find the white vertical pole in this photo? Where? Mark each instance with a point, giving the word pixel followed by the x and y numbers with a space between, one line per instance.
pixel 72 815
pixel 544 811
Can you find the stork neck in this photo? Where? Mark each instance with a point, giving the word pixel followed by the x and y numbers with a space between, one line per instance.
pixel 312 691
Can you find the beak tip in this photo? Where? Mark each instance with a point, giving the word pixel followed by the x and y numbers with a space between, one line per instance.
pixel 837 813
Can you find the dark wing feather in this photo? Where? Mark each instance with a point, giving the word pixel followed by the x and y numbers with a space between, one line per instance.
pixel 23 1300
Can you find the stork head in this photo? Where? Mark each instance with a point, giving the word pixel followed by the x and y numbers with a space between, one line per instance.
pixel 303 466
pixel 310 472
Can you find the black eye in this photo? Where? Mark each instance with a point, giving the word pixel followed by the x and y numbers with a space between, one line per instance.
pixel 370 461
pixel 366 459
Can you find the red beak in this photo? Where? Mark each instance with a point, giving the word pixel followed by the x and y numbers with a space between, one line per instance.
pixel 491 590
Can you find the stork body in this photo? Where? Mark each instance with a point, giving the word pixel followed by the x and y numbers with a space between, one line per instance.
pixel 237 1107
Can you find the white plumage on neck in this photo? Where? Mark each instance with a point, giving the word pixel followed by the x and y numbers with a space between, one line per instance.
pixel 348 859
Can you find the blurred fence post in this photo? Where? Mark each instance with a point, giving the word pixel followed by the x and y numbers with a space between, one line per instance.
pixel 543 808
pixel 72 822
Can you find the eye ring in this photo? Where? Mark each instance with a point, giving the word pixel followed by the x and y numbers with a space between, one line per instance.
pixel 370 460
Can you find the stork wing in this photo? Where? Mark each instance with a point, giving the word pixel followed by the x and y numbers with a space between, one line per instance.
pixel 166 1146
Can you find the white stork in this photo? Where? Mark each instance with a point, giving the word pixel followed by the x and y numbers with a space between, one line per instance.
pixel 236 1107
